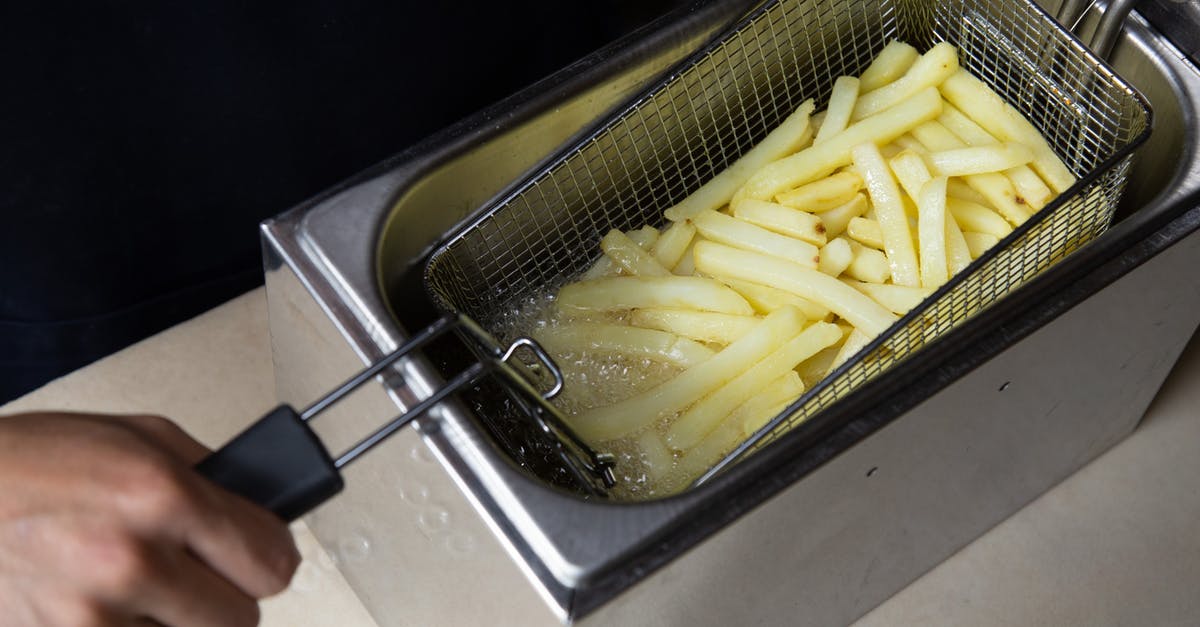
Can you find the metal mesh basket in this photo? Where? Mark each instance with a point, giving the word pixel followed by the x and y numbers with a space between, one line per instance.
pixel 721 103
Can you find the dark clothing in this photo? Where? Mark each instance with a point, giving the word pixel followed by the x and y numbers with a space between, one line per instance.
pixel 142 141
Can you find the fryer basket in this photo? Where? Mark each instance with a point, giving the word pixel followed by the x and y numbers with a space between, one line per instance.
pixel 703 116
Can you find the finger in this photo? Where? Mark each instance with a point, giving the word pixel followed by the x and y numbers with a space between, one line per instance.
pixel 167 435
pixel 189 594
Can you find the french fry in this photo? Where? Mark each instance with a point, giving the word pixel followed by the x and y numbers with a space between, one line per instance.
pixel 836 220
pixel 931 232
pixel 657 459
pixel 978 243
pixel 885 197
pixel 816 161
pixel 783 220
pixel 958 255
pixel 787 138
pixel 974 98
pixel 731 263
pixel 911 171
pixel 890 64
pixel 583 337
pixel 979 159
pixel 841 105
pixel 854 343
pixel 868 265
pixel 898 299
pixel 813 369
pixel 724 229
pixel 686 265
pixel 636 292
pixel 604 266
pixel 958 188
pixel 761 408
pixel 821 195
pixel 630 257
pixel 836 256
pixel 995 187
pixel 702 326
pixel 672 396
pixel 1029 186
pixel 865 232
pixel 702 417
pixel 673 243
pixel 973 217
pixel 935 66
pixel 767 299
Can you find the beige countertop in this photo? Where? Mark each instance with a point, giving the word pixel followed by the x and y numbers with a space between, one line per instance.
pixel 1115 544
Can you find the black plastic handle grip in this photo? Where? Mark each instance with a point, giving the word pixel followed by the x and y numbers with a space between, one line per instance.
pixel 278 463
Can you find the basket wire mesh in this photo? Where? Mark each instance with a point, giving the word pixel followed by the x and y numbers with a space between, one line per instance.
pixel 702 117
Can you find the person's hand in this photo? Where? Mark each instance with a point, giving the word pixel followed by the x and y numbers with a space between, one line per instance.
pixel 103 522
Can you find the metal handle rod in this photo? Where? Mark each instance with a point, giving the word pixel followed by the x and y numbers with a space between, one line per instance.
pixel 1071 12
pixel 427 334
pixel 1110 27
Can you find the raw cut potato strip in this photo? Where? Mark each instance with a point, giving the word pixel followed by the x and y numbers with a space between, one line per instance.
pixel 702 326
pixel 837 220
pixel 604 266
pixel 792 135
pixel 657 459
pixel 707 413
pixel 865 232
pixel 854 343
pixel 868 265
pixel 973 217
pixel 1029 186
pixel 630 257
pixel 889 209
pixel 958 254
pixel 995 187
pixel 673 243
pixel 931 232
pixel 958 188
pixel 816 161
pixel 911 171
pixel 935 66
pixel 731 263
pixel 974 98
pixel 635 292
pixel 814 368
pixel 978 243
pixel 582 337
pixel 836 256
pixel 821 195
pixel 980 159
pixel 766 299
pixel 760 409
pixel 896 298
pixel 841 105
pixel 724 229
pixel 783 220
pixel 890 64
pixel 668 398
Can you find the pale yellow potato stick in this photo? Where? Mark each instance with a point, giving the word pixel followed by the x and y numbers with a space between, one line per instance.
pixel 760 409
pixel 822 194
pixel 732 263
pixel 958 188
pixel 865 232
pixel 657 459
pixel 604 266
pixel 1028 184
pixel 836 220
pixel 814 368
pixel 767 299
pixel 686 265
pixel 672 396
pixel 979 159
pixel 673 243
pixel 972 217
pixel 815 121
pixel 958 256
pixel 868 264
pixel 702 326
pixel 974 98
pixel 783 220
pixel 896 298
pixel 978 243
pixel 911 171
pixel 630 257
pixel 724 229
pixel 854 343
pixel 580 337
pixel 816 161
pixel 889 209
pixel 930 70
pixel 634 292
pixel 836 256
pixel 841 104
pixel 908 142
pixel 716 445
pixel 890 64
pixel 792 135
pixel 702 417
pixel 931 232
pixel 995 187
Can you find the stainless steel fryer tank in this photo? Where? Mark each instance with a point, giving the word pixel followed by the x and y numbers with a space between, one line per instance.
pixel 821 536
